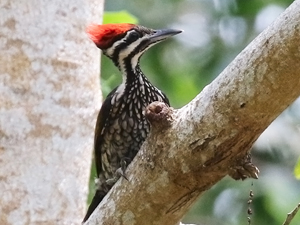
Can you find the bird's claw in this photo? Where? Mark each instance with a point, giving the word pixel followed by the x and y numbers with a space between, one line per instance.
pixel 121 173
pixel 124 164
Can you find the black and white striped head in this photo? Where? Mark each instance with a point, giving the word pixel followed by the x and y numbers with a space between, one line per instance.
pixel 125 42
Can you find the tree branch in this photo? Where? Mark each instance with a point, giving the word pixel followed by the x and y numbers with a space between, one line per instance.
pixel 211 136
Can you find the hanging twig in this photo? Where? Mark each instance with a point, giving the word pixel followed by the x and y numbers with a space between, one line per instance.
pixel 291 215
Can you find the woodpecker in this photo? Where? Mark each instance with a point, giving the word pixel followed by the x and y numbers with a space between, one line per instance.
pixel 121 126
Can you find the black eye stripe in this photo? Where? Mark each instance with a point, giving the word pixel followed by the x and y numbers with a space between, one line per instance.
pixel 138 49
pixel 117 50
pixel 131 37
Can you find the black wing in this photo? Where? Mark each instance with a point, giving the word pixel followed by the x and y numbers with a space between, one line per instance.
pixel 100 125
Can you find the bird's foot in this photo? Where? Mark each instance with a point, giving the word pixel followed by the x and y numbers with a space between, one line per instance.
pixel 124 164
pixel 120 172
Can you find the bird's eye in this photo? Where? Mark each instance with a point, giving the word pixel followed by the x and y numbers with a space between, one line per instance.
pixel 133 36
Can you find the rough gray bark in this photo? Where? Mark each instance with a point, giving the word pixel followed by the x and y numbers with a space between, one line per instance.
pixel 192 148
pixel 49 98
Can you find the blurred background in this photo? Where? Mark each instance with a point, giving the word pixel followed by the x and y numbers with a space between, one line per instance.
pixel 215 31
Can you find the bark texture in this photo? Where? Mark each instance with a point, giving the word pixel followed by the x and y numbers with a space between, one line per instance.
pixel 49 98
pixel 192 148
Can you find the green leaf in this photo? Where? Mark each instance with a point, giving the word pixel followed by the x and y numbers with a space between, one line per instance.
pixel 119 17
pixel 297 170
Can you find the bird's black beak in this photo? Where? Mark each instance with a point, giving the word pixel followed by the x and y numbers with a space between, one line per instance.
pixel 160 35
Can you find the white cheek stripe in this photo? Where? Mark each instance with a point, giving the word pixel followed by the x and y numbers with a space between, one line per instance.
pixel 111 50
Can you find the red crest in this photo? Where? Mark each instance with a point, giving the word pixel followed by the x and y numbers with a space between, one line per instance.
pixel 103 35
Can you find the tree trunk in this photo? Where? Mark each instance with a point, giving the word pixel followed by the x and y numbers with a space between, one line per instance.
pixel 49 99
pixel 192 148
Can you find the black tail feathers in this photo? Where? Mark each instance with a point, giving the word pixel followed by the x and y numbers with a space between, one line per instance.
pixel 99 195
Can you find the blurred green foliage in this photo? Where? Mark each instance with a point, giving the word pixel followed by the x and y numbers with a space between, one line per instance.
pixel 119 17
pixel 215 32
pixel 297 170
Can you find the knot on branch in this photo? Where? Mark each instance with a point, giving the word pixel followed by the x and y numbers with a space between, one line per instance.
pixel 159 115
pixel 244 169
